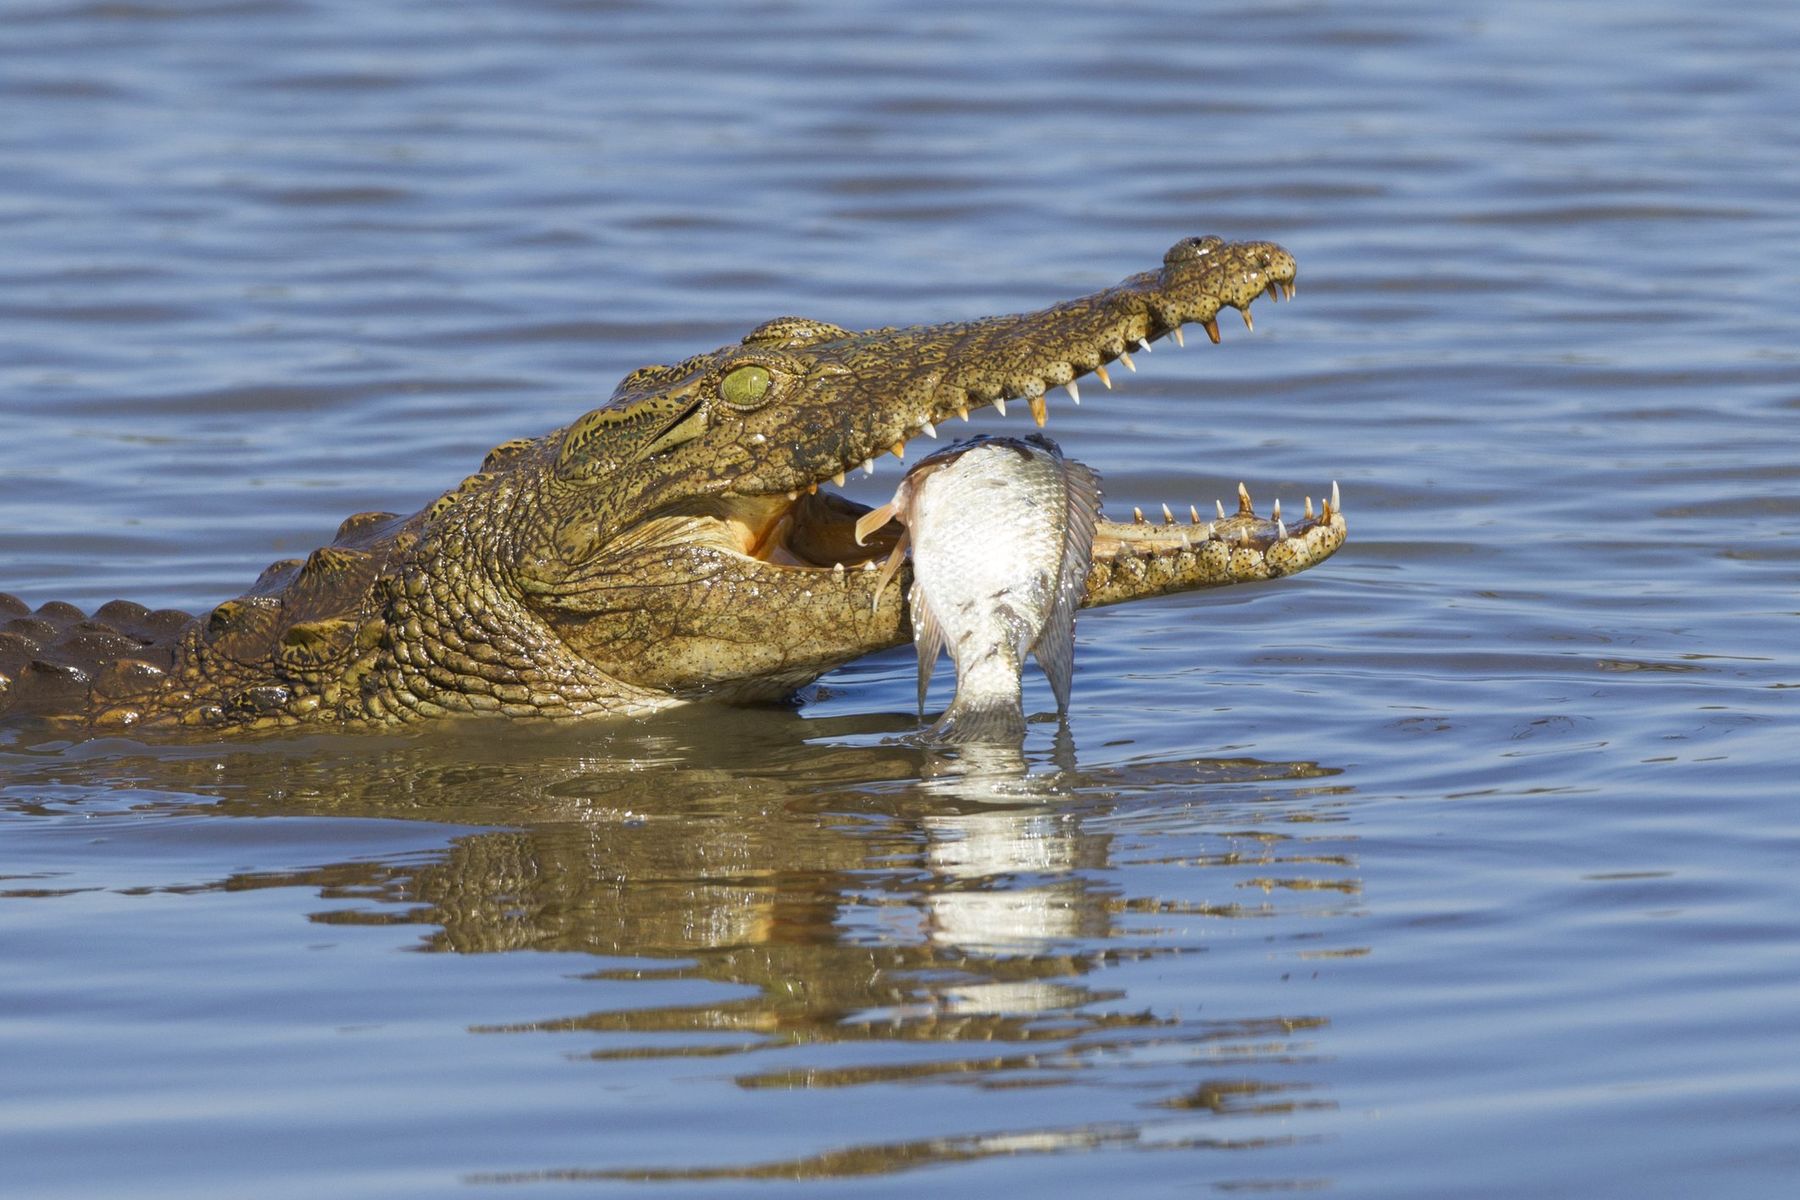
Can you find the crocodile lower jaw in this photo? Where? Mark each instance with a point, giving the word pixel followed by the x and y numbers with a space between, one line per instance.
pixel 816 532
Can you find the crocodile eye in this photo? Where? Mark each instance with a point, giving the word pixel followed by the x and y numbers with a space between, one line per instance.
pixel 745 387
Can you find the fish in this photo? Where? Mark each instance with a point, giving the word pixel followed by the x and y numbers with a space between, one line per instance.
pixel 1001 532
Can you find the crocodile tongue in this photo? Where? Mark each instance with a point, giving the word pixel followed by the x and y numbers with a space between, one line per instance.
pixel 814 530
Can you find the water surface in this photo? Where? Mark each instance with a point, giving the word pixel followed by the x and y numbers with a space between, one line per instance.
pixel 1464 864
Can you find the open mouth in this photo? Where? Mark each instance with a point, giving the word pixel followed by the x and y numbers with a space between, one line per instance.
pixel 813 528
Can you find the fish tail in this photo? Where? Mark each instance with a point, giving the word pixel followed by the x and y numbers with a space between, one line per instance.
pixel 989 719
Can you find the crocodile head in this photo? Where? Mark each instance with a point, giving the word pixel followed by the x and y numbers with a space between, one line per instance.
pixel 683 537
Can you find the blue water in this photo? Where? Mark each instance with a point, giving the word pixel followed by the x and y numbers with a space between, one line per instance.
pixel 1463 865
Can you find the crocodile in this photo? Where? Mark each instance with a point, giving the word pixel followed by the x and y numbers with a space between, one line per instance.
pixel 672 545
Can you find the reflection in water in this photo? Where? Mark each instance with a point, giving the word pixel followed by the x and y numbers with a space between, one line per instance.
pixel 969 916
pixel 887 1158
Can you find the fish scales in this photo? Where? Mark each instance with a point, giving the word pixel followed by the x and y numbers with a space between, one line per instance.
pixel 1001 532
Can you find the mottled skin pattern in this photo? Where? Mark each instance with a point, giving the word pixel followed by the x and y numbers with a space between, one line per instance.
pixel 669 546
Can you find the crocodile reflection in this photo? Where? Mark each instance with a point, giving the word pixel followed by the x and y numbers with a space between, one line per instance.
pixel 847 888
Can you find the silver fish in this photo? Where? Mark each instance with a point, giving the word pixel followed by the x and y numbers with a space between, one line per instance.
pixel 1002 534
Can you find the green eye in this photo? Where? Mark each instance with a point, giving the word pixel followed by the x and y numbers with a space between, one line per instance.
pixel 745 387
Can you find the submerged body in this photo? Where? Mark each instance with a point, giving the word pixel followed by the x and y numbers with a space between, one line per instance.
pixel 1002 535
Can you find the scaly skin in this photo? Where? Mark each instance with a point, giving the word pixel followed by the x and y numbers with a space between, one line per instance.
pixel 669 546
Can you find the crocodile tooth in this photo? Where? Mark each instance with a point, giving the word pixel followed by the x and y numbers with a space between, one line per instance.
pixel 838 479
pixel 837 569
pixel 1104 377
pixel 1144 345
pixel 1287 290
pixel 1275 512
pixel 868 466
pixel 869 565
pixel 1000 405
pixel 793 495
pixel 1168 517
pixel 1244 505
pixel 1309 511
pixel 1186 544
pixel 1040 412
pixel 1137 515
pixel 1280 530
pixel 1248 323
pixel 1211 325
pixel 1221 507
pixel 1337 505
pixel 1212 531
pixel 898 449
pixel 1074 392
pixel 929 429
pixel 1126 359
pixel 962 410
pixel 1194 513
pixel 1180 338
pixel 812 489
pixel 1273 292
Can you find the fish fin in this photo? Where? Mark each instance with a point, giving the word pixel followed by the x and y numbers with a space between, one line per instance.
pixel 993 719
pixel 875 518
pixel 1055 646
pixel 1055 652
pixel 889 567
pixel 928 637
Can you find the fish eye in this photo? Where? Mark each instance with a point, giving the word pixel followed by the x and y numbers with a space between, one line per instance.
pixel 745 387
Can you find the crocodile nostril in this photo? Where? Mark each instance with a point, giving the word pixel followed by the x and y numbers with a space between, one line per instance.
pixel 1189 249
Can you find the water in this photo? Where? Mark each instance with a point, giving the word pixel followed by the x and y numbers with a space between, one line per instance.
pixel 1462 865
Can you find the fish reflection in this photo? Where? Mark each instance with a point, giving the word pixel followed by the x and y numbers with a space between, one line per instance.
pixel 1005 881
